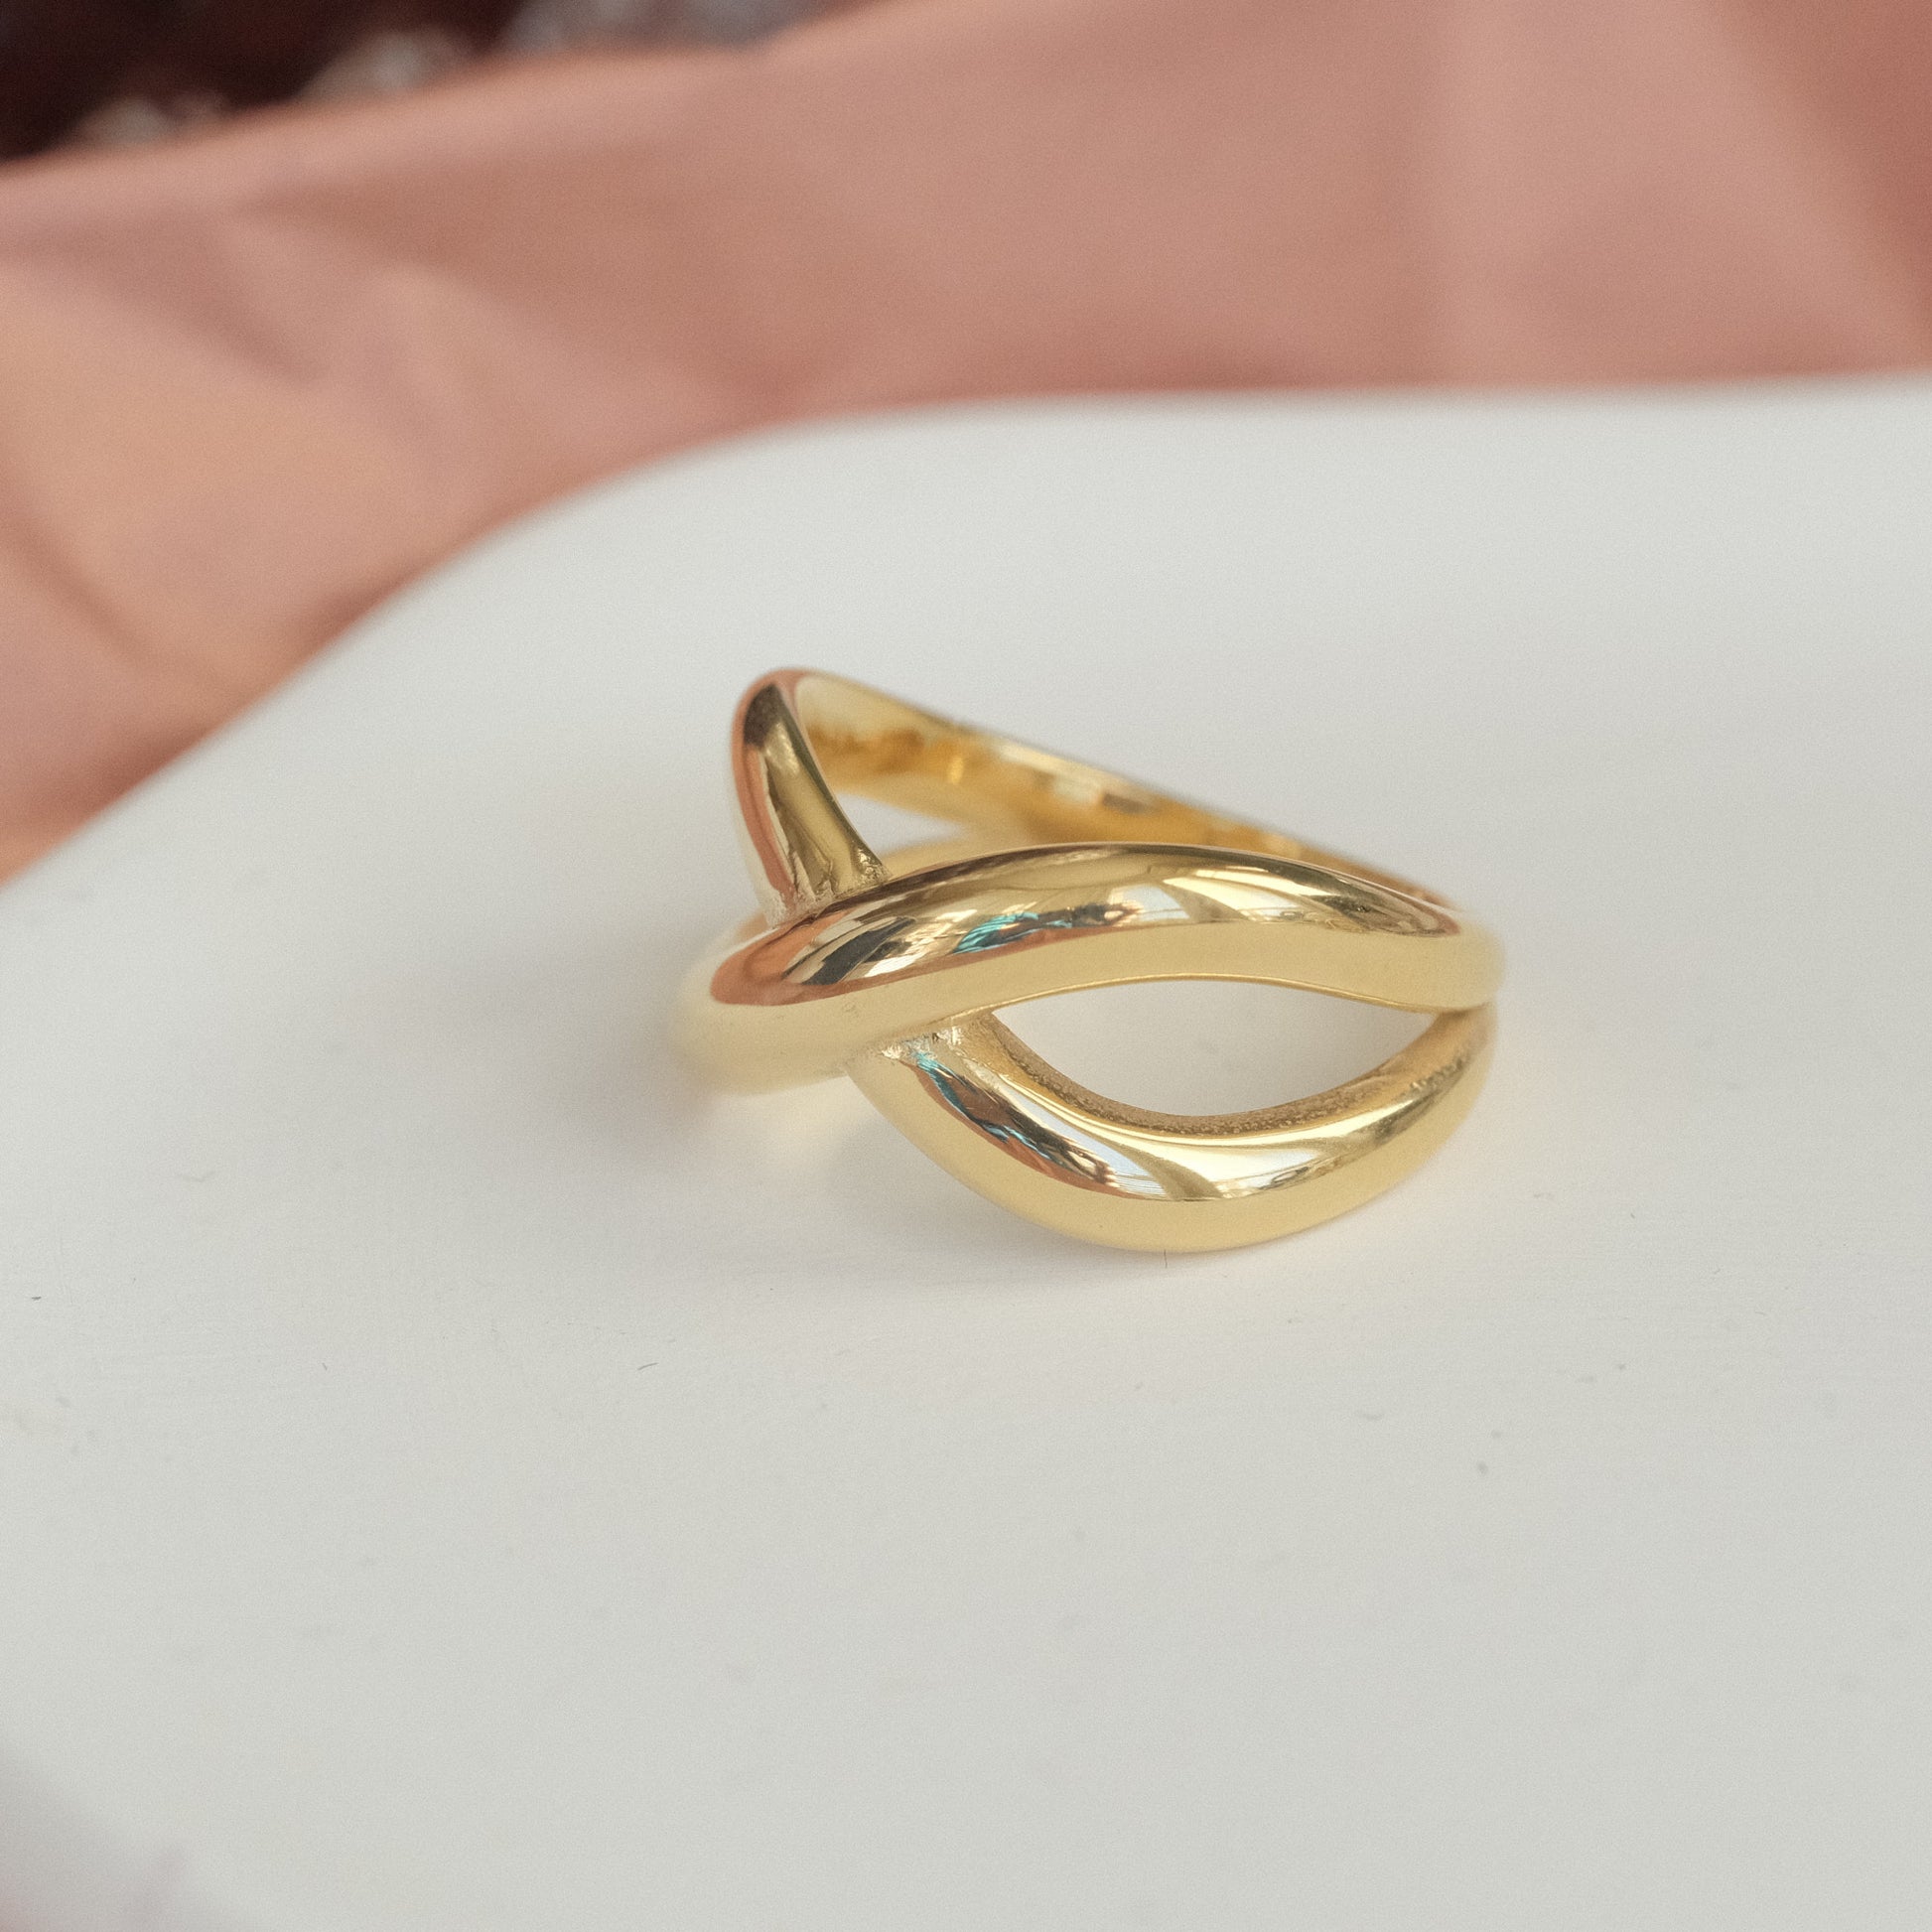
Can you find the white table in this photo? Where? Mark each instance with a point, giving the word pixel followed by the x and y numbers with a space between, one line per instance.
pixel 458 1478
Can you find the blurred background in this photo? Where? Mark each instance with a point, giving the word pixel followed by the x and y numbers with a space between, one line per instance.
pixel 299 297
pixel 118 71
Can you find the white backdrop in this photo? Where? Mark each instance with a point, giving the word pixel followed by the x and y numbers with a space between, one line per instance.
pixel 456 1478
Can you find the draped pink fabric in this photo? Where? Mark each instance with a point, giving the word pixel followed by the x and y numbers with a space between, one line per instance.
pixel 252 381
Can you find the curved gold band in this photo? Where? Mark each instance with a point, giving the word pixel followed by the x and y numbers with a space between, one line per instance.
pixel 1067 878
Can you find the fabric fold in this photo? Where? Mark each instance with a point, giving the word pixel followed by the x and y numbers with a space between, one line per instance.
pixel 252 381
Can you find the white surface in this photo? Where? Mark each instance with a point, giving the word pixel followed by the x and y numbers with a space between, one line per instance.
pixel 456 1478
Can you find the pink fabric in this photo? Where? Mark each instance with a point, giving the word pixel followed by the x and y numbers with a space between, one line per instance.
pixel 250 382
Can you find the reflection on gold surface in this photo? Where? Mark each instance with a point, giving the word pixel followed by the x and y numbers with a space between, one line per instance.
pixel 893 972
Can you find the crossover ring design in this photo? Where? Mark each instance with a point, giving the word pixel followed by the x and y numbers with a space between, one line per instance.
pixel 1065 877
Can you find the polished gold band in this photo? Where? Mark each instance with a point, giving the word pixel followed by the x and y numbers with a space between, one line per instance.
pixel 1066 878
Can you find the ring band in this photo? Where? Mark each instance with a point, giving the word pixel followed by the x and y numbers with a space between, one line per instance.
pixel 1066 876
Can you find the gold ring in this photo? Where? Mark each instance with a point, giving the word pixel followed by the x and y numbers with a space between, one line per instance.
pixel 1066 877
